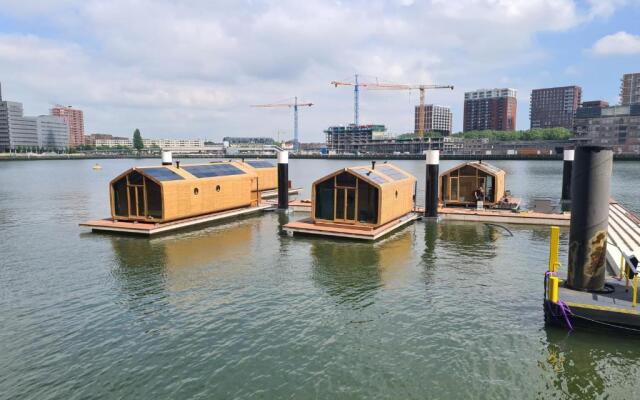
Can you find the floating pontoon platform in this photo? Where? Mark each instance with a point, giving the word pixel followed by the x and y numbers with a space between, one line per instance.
pixel 615 309
pixel 273 194
pixel 308 227
pixel 504 216
pixel 150 229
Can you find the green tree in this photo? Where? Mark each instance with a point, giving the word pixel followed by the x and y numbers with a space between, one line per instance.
pixel 137 140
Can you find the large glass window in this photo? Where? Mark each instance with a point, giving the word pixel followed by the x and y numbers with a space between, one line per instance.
pixel 120 198
pixel 324 200
pixel 367 203
pixel 154 199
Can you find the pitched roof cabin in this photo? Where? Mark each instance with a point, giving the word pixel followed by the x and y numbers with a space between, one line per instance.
pixel 457 185
pixel 367 196
pixel 167 193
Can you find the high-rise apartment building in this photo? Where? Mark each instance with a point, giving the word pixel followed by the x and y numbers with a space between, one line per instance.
pixel 493 109
pixel 630 89
pixel 75 120
pixel 554 107
pixel 436 119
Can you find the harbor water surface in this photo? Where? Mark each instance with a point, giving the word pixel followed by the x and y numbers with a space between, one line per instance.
pixel 238 310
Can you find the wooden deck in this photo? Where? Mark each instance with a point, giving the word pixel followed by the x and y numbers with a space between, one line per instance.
pixel 504 216
pixel 306 226
pixel 149 229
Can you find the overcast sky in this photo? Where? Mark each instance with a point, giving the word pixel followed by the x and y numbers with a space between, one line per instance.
pixel 191 69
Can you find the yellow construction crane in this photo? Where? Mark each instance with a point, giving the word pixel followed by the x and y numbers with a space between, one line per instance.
pixel 422 88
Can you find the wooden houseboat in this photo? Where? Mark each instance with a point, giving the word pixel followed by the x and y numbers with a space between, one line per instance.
pixel 457 185
pixel 365 195
pixel 171 192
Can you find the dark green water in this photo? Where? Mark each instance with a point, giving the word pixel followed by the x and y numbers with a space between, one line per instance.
pixel 438 310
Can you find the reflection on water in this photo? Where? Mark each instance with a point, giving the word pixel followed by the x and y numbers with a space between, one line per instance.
pixel 469 239
pixel 184 261
pixel 583 366
pixel 354 271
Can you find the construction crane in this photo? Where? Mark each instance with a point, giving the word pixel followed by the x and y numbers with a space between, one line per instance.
pixel 356 94
pixel 422 88
pixel 295 105
pixel 389 86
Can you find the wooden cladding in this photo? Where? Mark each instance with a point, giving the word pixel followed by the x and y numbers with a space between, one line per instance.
pixel 161 194
pixel 363 196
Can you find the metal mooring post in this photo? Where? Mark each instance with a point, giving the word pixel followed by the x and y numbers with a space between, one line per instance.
pixel 431 184
pixel 283 180
pixel 590 188
pixel 567 166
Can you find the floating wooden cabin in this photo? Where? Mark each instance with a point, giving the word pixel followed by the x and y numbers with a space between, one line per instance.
pixel 167 193
pixel 458 184
pixel 363 196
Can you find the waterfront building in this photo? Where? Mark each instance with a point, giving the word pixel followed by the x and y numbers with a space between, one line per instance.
pixel 265 146
pixel 176 145
pixel 554 107
pixel 616 126
pixel 75 120
pixel 16 130
pixel 53 132
pixel 437 119
pixel 493 109
pixel 248 140
pixel 90 140
pixel 630 89
pixel 114 141
pixel 452 145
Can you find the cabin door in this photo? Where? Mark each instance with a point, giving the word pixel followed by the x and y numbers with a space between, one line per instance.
pixel 346 204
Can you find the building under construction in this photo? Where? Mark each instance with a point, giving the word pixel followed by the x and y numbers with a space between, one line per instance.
pixel 373 139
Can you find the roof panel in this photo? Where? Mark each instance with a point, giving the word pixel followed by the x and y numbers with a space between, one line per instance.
pixel 162 174
pixel 208 171
pixel 369 175
pixel 260 164
pixel 392 173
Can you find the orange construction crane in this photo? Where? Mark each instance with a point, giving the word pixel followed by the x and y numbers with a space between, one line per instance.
pixel 295 105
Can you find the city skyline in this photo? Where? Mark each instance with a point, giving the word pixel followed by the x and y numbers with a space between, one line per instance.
pixel 192 71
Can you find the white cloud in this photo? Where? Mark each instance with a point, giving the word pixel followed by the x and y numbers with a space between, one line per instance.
pixel 193 68
pixel 620 43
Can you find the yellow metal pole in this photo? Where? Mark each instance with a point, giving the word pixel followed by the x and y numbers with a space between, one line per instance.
pixel 622 265
pixel 554 247
pixel 554 282
pixel 635 290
